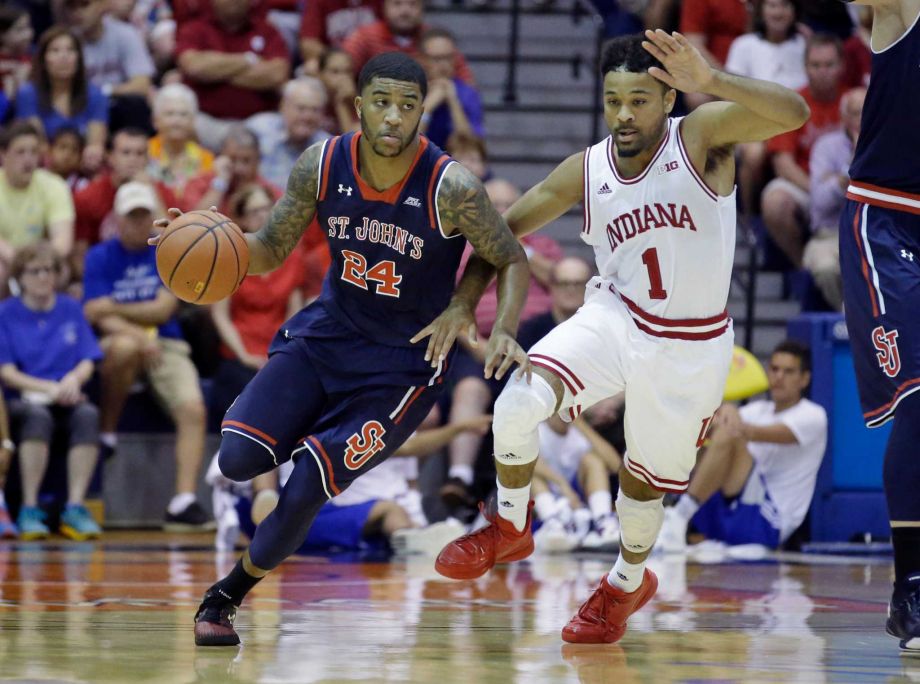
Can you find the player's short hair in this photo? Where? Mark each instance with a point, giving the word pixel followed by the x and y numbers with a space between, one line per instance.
pixel 395 65
pixel 626 53
pixel 822 40
pixel 17 129
pixel 798 349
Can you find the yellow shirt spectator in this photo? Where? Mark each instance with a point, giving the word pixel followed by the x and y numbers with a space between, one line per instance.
pixel 41 209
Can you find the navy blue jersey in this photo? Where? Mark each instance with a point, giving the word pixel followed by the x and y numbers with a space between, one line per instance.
pixel 393 270
pixel 888 150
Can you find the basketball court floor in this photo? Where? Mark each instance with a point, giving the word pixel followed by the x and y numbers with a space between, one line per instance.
pixel 120 610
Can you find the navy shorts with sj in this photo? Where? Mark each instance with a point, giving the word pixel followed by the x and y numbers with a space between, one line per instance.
pixel 880 265
pixel 373 398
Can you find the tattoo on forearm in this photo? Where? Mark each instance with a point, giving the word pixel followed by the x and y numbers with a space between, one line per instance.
pixel 293 212
pixel 464 205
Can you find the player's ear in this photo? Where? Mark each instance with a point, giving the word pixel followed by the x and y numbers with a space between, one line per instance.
pixel 670 97
pixel 358 105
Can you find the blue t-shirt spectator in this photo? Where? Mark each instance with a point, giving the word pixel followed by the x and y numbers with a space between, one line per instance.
pixel 97 109
pixel 46 344
pixel 127 277
pixel 440 127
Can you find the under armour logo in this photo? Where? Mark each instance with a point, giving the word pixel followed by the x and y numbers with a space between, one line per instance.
pixel 905 254
pixel 342 189
pixel 605 190
pixel 413 202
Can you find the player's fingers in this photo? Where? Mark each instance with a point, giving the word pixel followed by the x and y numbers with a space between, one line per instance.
pixel 446 343
pixel 214 209
pixel 174 212
pixel 525 368
pixel 423 333
pixel 471 335
pixel 154 241
pixel 507 357
pixel 681 39
pixel 434 346
pixel 665 41
pixel 654 51
pixel 662 76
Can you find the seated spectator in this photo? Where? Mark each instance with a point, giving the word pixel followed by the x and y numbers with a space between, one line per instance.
pixel 16 37
pixel 235 62
pixel 755 480
pixel 327 23
pixel 399 30
pixel 59 94
pixel 7 529
pixel 236 167
pixel 572 495
pixel 64 154
pixel 47 355
pixel 785 200
pixel 95 203
pixel 711 26
pixel 135 317
pixel 175 157
pixel 857 53
pixel 830 164
pixel 470 151
pixel 117 61
pixel 472 395
pixel 338 75
pixel 36 203
pixel 774 51
pixel 284 135
pixel 451 105
pixel 248 320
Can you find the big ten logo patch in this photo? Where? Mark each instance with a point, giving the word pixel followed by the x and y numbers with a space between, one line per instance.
pixel 363 445
pixel 886 345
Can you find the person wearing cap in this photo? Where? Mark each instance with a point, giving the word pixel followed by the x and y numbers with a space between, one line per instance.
pixel 135 316
pixel 47 355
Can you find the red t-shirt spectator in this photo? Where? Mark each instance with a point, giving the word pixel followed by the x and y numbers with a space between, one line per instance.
pixel 223 100
pixel 721 21
pixel 369 41
pixel 94 204
pixel 857 62
pixel 196 188
pixel 825 117
pixel 332 21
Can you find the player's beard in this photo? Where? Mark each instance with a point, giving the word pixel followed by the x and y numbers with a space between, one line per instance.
pixel 365 131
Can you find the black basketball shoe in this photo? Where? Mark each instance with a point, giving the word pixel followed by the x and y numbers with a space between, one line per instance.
pixel 214 621
pixel 904 614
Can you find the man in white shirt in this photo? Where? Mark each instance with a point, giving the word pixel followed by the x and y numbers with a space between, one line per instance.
pixel 755 481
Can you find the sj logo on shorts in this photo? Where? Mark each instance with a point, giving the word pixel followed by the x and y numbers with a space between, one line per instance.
pixel 886 344
pixel 361 446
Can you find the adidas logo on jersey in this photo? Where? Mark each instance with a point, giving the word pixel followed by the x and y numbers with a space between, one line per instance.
pixel 605 190
pixel 413 202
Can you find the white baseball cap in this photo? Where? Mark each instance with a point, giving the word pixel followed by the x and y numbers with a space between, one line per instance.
pixel 135 195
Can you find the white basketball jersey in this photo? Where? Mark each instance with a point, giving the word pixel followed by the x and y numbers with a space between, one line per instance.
pixel 663 240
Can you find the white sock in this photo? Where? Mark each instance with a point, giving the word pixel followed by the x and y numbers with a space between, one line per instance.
pixel 626 576
pixel 462 471
pixel 686 506
pixel 110 439
pixel 600 504
pixel 544 505
pixel 512 504
pixel 180 502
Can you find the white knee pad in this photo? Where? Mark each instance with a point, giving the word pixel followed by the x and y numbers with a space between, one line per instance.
pixel 518 410
pixel 640 522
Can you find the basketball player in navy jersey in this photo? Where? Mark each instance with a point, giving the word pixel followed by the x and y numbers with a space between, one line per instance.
pixel 347 380
pixel 880 264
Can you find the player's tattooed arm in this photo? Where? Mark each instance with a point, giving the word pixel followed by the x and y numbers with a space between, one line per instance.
pixel 464 207
pixel 290 216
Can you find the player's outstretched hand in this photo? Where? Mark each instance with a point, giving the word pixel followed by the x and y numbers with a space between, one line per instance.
pixel 684 67
pixel 503 351
pixel 443 331
pixel 160 224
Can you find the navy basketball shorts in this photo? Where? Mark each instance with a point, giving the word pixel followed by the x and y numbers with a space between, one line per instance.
pixel 344 404
pixel 880 266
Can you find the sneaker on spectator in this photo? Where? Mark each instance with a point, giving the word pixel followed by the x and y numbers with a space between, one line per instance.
pixel 31 523
pixel 605 534
pixel 7 529
pixel 223 503
pixel 673 536
pixel 428 540
pixel 192 519
pixel 455 493
pixel 554 536
pixel 78 524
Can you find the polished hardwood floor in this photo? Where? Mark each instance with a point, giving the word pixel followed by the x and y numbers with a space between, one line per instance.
pixel 120 610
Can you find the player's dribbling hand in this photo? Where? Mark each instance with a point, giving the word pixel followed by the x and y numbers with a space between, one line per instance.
pixel 503 351
pixel 685 68
pixel 160 224
pixel 443 331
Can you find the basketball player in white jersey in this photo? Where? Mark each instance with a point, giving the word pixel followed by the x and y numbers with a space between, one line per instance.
pixel 659 204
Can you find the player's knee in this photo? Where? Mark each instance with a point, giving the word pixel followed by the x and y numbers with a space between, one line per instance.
pixel 240 458
pixel 640 522
pixel 521 407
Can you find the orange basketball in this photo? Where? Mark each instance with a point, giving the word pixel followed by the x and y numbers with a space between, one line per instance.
pixel 202 257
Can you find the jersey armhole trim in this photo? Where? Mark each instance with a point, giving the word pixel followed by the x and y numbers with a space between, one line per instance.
pixel 434 199
pixel 910 28
pixel 586 228
pixel 325 161
pixel 713 195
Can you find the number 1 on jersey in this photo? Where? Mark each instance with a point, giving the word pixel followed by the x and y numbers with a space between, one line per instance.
pixel 650 259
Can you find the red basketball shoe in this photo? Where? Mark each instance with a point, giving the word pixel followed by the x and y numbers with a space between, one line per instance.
pixel 602 618
pixel 474 554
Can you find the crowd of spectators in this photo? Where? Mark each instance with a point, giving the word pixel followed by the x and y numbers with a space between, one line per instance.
pixel 114 110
